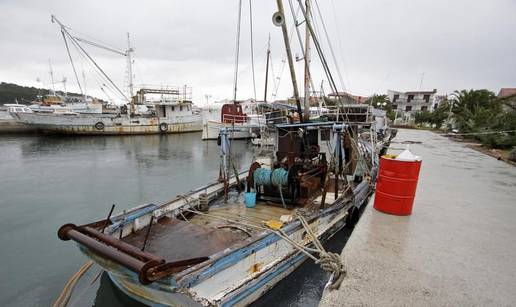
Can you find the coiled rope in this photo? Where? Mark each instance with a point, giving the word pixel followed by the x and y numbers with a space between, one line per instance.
pixel 277 177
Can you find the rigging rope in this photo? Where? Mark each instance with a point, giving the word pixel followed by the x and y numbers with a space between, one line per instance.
pixel 252 45
pixel 237 51
pixel 71 62
pixel 330 46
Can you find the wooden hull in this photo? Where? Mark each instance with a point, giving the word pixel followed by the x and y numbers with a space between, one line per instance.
pixel 236 276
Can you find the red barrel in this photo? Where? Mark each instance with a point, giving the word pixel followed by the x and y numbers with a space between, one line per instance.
pixel 396 186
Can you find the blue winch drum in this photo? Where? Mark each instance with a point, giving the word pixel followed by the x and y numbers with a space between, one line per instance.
pixel 250 199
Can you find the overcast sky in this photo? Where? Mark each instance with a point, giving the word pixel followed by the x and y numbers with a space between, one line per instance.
pixel 379 45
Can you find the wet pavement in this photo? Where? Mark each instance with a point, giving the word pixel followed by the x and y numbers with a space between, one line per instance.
pixel 458 248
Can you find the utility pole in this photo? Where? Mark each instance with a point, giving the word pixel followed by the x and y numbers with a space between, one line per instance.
pixel 306 115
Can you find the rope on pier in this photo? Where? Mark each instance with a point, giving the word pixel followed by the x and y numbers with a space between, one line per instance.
pixel 65 295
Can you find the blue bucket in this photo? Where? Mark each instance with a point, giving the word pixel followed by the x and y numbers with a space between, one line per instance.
pixel 250 199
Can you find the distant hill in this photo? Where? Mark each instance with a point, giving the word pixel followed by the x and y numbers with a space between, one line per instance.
pixel 10 92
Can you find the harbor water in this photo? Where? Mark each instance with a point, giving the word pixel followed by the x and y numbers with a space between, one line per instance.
pixel 46 181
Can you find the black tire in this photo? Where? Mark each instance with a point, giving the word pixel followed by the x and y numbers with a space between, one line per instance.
pixel 163 127
pixel 99 126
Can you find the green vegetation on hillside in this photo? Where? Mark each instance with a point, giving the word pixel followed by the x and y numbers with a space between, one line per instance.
pixel 10 92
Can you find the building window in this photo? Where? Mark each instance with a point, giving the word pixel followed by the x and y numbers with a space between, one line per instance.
pixel 180 108
pixel 173 108
pixel 396 97
pixel 408 108
pixel 426 98
pixel 410 97
pixel 394 106
pixel 424 108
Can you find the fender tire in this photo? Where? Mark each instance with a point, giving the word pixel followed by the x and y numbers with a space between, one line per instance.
pixel 163 127
pixel 99 126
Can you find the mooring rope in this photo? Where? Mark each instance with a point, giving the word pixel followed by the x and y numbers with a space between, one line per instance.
pixel 330 262
pixel 64 297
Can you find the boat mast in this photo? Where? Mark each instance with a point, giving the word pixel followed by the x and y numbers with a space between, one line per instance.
pixel 279 20
pixel 307 62
pixel 130 72
pixel 267 68
pixel 51 72
pixel 237 52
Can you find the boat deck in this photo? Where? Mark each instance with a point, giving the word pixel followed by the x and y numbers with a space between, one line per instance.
pixel 204 235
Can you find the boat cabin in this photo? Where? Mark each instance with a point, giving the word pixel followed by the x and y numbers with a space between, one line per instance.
pixel 232 113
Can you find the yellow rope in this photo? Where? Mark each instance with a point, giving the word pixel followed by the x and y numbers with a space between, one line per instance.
pixel 65 295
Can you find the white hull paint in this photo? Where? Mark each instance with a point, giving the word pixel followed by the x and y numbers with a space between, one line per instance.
pixel 211 130
pixel 111 125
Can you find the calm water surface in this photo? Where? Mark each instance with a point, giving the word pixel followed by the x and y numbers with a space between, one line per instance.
pixel 46 181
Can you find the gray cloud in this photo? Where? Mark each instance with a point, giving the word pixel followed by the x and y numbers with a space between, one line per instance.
pixel 379 44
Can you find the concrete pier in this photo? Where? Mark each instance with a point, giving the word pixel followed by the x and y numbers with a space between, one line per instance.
pixel 458 248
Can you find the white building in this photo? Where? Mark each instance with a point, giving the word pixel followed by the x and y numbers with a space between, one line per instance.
pixel 409 103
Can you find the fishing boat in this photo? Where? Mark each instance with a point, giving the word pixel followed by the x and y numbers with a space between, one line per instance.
pixel 229 242
pixel 172 112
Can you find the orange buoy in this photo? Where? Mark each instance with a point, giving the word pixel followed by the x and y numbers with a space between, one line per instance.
pixel 396 185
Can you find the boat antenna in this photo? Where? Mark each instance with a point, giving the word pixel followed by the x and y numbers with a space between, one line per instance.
pixel 279 20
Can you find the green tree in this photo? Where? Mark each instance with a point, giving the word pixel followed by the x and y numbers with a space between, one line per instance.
pixel 382 102
pixel 479 112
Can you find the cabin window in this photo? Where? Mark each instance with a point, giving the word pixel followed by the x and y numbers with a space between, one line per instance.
pixel 325 134
pixel 408 108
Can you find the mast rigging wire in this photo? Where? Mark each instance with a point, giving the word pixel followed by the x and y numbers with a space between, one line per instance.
pixel 237 51
pixel 71 62
pixel 330 46
pixel 252 45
